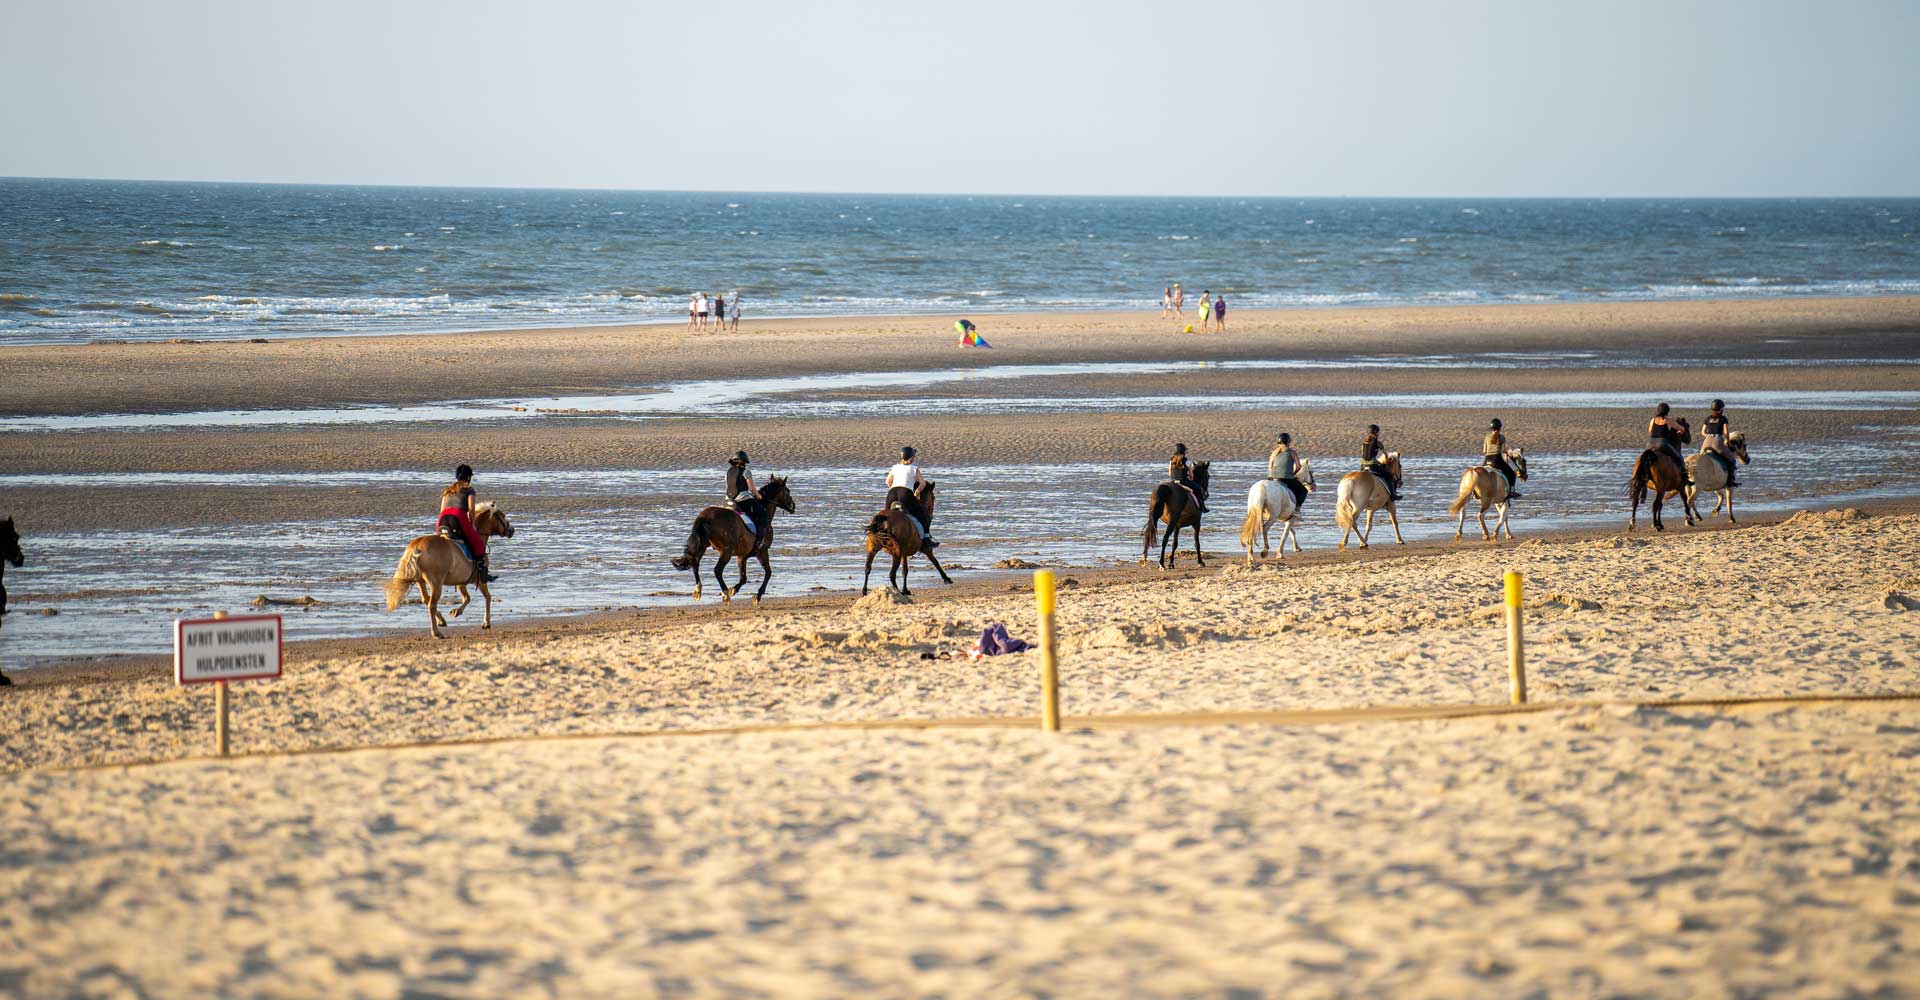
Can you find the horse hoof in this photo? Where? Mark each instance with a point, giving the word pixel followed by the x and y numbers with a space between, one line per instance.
pixel 486 625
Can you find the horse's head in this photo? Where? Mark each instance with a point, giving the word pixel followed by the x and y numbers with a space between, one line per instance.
pixel 1201 470
pixel 1306 473
pixel 491 520
pixel 1736 443
pixel 1393 466
pixel 778 493
pixel 1518 459
pixel 925 495
pixel 10 544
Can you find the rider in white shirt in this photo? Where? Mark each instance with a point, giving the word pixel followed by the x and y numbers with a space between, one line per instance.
pixel 902 482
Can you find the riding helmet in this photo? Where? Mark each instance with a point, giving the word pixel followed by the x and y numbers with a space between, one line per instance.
pixel 739 458
pixel 906 454
pixel 1286 438
pixel 1373 428
pixel 1494 423
pixel 1718 405
pixel 1662 410
pixel 463 473
pixel 1179 449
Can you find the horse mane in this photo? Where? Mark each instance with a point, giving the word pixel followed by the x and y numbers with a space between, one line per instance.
pixel 1737 436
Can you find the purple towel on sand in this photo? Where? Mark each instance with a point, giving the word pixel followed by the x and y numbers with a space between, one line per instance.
pixel 995 641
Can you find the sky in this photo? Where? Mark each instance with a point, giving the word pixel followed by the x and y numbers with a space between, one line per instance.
pixel 1114 97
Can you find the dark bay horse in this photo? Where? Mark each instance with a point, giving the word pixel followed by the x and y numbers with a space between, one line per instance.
pixel 722 529
pixel 894 531
pixel 1658 472
pixel 1172 505
pixel 9 553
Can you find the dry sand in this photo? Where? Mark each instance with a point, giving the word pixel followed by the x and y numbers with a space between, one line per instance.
pixel 1592 851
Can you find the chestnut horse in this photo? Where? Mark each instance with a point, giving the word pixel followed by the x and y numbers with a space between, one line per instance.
pixel 895 532
pixel 1172 505
pixel 1659 472
pixel 1363 491
pixel 1485 483
pixel 723 530
pixel 434 562
pixel 9 553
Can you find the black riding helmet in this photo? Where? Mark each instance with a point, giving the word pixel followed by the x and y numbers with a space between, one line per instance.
pixel 1662 410
pixel 1179 449
pixel 463 473
pixel 1494 423
pixel 1373 428
pixel 739 458
pixel 1718 405
pixel 1286 438
pixel 906 454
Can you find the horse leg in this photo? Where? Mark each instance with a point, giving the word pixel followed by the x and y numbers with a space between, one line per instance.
pixel 868 575
pixel 1393 514
pixel 1502 524
pixel 742 582
pixel 422 582
pixel 697 591
pixel 433 611
pixel 766 577
pixel 720 578
pixel 465 599
pixel 1693 514
pixel 1460 523
pixel 937 568
pixel 1657 526
pixel 1483 522
pixel 1199 558
pixel 486 608
pixel 1728 493
pixel 1369 529
pixel 906 567
pixel 893 573
pixel 1167 559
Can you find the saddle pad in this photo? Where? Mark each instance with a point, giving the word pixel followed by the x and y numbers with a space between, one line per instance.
pixel 744 519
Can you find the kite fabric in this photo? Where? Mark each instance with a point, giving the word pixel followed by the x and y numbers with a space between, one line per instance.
pixel 970 335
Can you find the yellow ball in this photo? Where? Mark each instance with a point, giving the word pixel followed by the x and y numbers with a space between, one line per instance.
pixel 1189 328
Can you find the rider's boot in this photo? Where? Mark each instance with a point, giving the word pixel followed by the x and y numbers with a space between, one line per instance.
pixel 927 541
pixel 480 567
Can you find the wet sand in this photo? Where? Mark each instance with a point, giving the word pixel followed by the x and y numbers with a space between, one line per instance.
pixel 1612 851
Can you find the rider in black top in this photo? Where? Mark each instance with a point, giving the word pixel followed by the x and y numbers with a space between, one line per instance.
pixel 1181 475
pixel 1713 438
pixel 1373 458
pixel 1494 450
pixel 743 495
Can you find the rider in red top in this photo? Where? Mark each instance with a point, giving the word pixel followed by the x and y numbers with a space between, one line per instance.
pixel 456 511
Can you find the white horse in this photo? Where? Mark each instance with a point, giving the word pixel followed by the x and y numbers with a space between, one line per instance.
pixel 1362 490
pixel 1486 484
pixel 1269 503
pixel 1711 476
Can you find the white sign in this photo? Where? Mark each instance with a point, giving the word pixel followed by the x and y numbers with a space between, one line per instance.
pixel 241 648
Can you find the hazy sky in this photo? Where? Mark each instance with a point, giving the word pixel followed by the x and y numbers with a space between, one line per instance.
pixel 1111 97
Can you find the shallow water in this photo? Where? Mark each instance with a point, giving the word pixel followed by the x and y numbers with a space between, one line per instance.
pixel 118 591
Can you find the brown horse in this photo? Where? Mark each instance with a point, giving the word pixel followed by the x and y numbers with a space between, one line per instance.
pixel 722 528
pixel 1485 483
pixel 895 532
pixel 9 553
pixel 434 562
pixel 1657 470
pixel 1172 505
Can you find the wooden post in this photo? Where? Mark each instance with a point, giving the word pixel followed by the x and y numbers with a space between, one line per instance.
pixel 1043 595
pixel 220 710
pixel 1516 643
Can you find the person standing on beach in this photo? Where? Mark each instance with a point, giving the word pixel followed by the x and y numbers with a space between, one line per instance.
pixel 1179 301
pixel 1206 309
pixel 733 312
pixel 1166 303
pixel 693 311
pixel 1220 311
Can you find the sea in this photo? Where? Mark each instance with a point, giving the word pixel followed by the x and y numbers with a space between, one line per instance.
pixel 87 260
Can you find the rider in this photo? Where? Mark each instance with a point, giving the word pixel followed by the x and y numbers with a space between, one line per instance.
pixel 1495 450
pixel 1713 439
pixel 1284 465
pixel 456 514
pixel 1663 435
pixel 1182 476
pixel 903 480
pixel 743 495
pixel 1373 458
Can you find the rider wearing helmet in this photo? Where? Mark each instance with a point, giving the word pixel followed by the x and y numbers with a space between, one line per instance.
pixel 1284 465
pixel 743 495
pixel 1181 475
pixel 1713 439
pixel 456 515
pixel 903 483
pixel 1665 434
pixel 1495 451
pixel 1373 458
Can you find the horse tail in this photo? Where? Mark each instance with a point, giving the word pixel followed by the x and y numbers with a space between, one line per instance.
pixel 1642 475
pixel 878 525
pixel 403 576
pixel 1256 513
pixel 1154 511
pixel 696 544
pixel 1466 491
pixel 1344 510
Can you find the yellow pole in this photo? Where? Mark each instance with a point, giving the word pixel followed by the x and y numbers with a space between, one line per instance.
pixel 1043 595
pixel 220 709
pixel 1516 643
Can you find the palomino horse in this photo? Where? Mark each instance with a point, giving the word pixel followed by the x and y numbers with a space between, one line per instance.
pixel 434 562
pixel 1658 471
pixel 895 532
pixel 1172 505
pixel 1486 484
pixel 1362 490
pixel 1709 476
pixel 1270 503
pixel 9 553
pixel 722 528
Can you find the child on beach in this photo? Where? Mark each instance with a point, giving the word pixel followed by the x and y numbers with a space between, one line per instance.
pixel 1220 311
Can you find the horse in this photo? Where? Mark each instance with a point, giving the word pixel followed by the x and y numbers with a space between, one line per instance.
pixel 1269 503
pixel 1362 490
pixel 1658 471
pixel 1485 483
pixel 723 530
pixel 1172 504
pixel 895 532
pixel 433 562
pixel 1711 477
pixel 9 553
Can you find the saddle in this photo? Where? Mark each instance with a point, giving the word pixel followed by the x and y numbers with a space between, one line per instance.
pixel 458 543
pixel 1488 465
pixel 747 521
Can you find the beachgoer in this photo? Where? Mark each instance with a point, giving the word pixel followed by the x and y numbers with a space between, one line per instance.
pixel 701 306
pixel 456 514
pixel 693 311
pixel 1713 439
pixel 1179 301
pixel 1220 311
pixel 733 312
pixel 1284 465
pixel 1494 450
pixel 903 483
pixel 1373 458
pixel 1206 309
pixel 1166 303
pixel 1181 475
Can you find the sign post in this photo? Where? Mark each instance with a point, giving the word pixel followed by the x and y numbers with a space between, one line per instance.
pixel 225 648
pixel 1043 593
pixel 1516 643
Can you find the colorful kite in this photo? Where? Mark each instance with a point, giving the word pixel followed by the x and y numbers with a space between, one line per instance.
pixel 970 335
